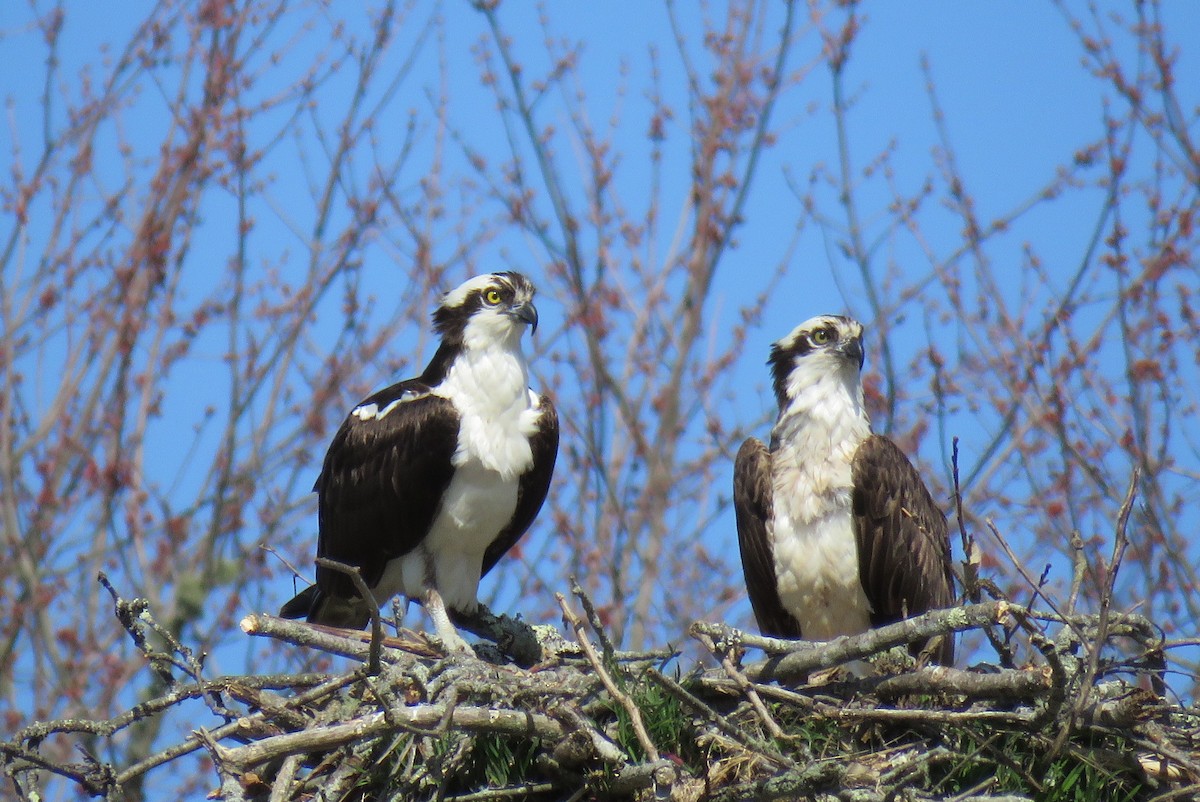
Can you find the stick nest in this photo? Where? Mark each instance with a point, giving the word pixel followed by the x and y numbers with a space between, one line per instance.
pixel 1074 707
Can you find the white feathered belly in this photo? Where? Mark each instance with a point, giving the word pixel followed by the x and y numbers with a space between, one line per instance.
pixel 497 416
pixel 816 568
pixel 477 505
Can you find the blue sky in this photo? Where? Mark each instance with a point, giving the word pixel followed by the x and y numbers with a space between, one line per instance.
pixel 1009 80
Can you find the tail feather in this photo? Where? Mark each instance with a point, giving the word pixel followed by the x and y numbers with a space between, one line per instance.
pixel 302 604
pixel 322 608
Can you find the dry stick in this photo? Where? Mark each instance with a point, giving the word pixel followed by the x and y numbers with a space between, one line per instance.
pixel 896 777
pixel 799 657
pixel 1013 684
pixel 1058 682
pixel 193 743
pixel 811 655
pixel 127 612
pixel 972 588
pixel 13 752
pixel 236 686
pixel 511 792
pixel 376 622
pixel 316 636
pixel 281 788
pixel 334 640
pixel 423 719
pixel 970 568
pixel 337 784
pixel 917 716
pixel 1036 636
pixel 744 685
pixel 1120 544
pixel 605 749
pixel 1188 792
pixel 606 644
pixel 231 789
pixel 736 733
pixel 1034 584
pixel 1157 740
pixel 1078 569
pixel 1010 685
pixel 662 774
pixel 635 715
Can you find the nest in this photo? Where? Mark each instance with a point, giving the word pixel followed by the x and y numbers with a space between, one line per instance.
pixel 1083 714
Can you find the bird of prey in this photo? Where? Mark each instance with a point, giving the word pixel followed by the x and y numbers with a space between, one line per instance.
pixel 429 482
pixel 837 531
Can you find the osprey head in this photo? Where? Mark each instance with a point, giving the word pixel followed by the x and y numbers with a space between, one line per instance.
pixel 495 307
pixel 820 348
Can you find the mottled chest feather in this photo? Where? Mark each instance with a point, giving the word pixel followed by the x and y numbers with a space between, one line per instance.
pixel 813 445
pixel 812 534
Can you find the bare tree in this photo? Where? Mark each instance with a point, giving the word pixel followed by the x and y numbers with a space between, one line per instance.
pixel 224 230
pixel 164 384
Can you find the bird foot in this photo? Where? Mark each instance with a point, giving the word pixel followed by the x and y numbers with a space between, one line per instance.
pixel 452 642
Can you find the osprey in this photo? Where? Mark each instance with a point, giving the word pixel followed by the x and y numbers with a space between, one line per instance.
pixel 429 482
pixel 837 531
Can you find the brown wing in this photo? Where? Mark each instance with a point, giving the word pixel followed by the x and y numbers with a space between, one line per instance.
pixel 378 492
pixel 534 485
pixel 903 543
pixel 752 502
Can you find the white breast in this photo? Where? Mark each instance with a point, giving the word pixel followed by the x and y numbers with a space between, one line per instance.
pixel 497 415
pixel 498 412
pixel 812 532
pixel 816 568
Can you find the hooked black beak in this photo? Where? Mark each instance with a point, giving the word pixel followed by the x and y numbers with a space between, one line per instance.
pixel 528 313
pixel 853 349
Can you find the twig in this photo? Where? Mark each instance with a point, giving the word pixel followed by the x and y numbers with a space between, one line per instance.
pixel 622 698
pixel 1078 569
pixel 661 774
pixel 421 718
pixel 511 792
pixel 744 685
pixel 1058 673
pixel 792 783
pixel 738 734
pixel 589 610
pixel 233 728
pixel 1034 585
pixel 1010 684
pixel 127 613
pixel 938 717
pixel 605 749
pixel 1120 545
pixel 333 640
pixel 281 787
pixel 1092 668
pixel 231 789
pixel 971 589
pixel 800 657
pixel 365 592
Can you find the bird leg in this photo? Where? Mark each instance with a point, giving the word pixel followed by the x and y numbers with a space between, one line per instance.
pixel 451 640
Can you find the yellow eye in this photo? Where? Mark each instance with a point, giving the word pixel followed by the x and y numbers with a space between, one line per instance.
pixel 492 297
pixel 821 336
